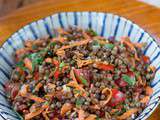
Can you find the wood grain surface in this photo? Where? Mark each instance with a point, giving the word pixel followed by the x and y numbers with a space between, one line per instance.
pixel 7 6
pixel 148 17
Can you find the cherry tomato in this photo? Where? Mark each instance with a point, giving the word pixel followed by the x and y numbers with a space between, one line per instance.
pixel 84 73
pixel 121 83
pixel 117 97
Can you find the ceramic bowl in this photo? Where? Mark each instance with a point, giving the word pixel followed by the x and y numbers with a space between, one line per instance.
pixel 105 24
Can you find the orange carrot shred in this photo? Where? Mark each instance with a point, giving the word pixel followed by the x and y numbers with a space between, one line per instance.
pixel 91 117
pixel 149 90
pixel 83 42
pixel 38 86
pixel 152 68
pixel 72 75
pixel 28 63
pixel 108 94
pixel 35 98
pixel 145 99
pixel 127 114
pixel 81 114
pixel 65 108
pixel 33 114
pixel 81 63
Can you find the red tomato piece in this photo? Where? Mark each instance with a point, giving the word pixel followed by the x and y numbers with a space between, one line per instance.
pixel 117 97
pixel 84 73
pixel 121 83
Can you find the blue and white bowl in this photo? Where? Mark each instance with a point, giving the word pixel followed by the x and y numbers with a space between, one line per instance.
pixel 105 24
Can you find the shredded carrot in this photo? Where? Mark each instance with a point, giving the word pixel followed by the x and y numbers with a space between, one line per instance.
pixel 78 54
pixel 78 87
pixel 21 51
pixel 149 90
pixel 65 108
pixel 81 114
pixel 82 42
pixel 38 86
pixel 33 108
pixel 139 78
pixel 24 90
pixel 132 60
pixel 72 75
pixel 28 43
pixel 33 114
pixel 95 107
pixel 127 42
pixel 136 56
pixel 145 99
pixel 152 68
pixel 81 63
pixel 91 117
pixel 101 40
pixel 28 63
pixel 85 35
pixel 127 114
pixel 55 119
pixel 51 86
pixel 75 85
pixel 65 68
pixel 139 45
pixel 62 31
pixel 35 98
pixel 60 53
pixel 59 38
pixel 45 115
pixel 108 94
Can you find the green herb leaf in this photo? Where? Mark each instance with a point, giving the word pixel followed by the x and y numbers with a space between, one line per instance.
pixel 130 80
pixel 92 32
pixel 76 91
pixel 109 46
pixel 62 64
pixel 20 64
pixel 52 44
pixel 95 44
pixel 79 102
pixel 83 80
pixel 97 118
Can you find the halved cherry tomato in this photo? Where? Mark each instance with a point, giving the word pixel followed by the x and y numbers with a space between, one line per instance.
pixel 117 97
pixel 121 83
pixel 105 66
pixel 56 73
pixel 12 89
pixel 83 73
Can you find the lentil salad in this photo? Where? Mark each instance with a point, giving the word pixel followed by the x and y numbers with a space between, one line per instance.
pixel 80 75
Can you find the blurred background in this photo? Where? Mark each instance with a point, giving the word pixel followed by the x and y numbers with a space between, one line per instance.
pixel 7 6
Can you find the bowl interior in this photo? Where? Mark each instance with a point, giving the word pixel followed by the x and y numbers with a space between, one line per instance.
pixel 105 24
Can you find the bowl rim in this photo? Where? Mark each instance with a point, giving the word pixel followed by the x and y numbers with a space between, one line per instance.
pixel 148 114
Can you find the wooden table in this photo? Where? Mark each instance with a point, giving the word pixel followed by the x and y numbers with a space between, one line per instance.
pixel 148 17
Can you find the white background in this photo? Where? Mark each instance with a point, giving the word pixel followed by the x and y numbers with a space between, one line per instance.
pixel 152 2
